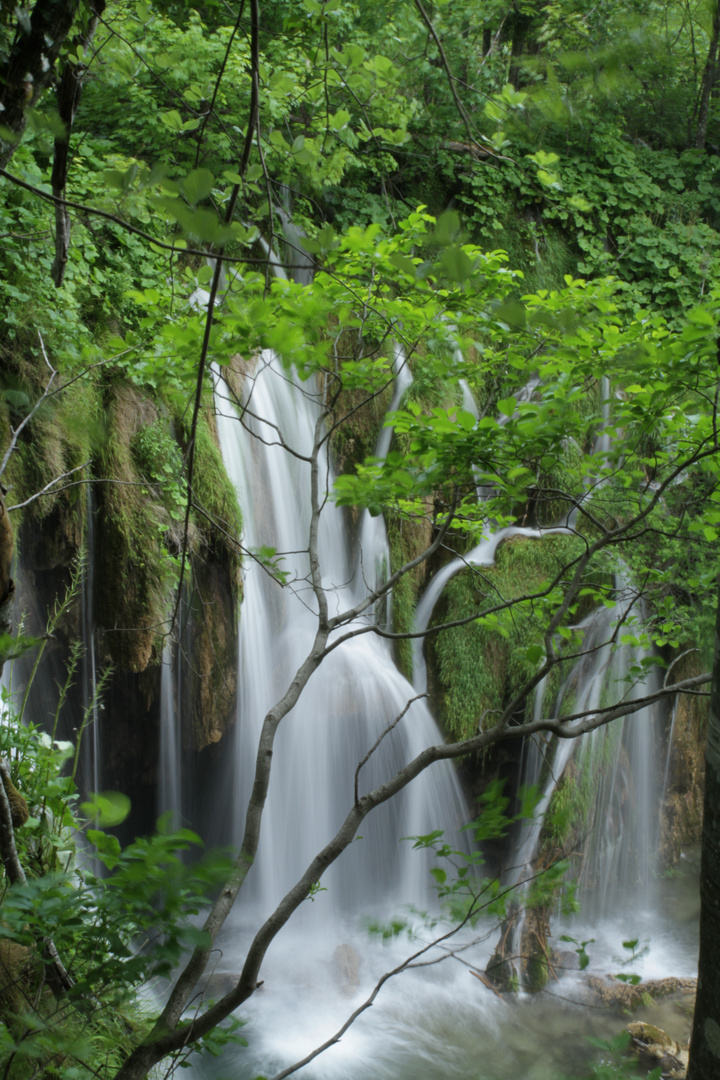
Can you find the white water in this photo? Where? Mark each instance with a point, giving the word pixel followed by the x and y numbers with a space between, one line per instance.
pixel 170 765
pixel 356 694
pixel 372 560
pixel 438 1022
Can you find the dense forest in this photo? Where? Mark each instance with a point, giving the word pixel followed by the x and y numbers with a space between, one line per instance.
pixel 359 535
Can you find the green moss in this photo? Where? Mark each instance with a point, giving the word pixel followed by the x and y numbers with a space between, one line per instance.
pixel 570 807
pixel 135 575
pixel 217 525
pixel 478 669
pixel 215 492
pixel 359 422
pixel 407 539
pixel 61 437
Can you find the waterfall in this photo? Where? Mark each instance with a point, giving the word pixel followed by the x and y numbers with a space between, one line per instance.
pixel 354 696
pixel 170 765
pixel 303 266
pixel 91 736
pixel 615 768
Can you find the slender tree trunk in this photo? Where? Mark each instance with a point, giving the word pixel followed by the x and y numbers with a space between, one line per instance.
pixel 705 1042
pixel 68 99
pixel 7 585
pixel 30 66
pixel 708 81
pixel 518 45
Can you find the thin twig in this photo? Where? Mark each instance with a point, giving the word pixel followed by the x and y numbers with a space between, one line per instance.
pixel 380 738
pixel 46 490
pixel 45 394
pixel 218 258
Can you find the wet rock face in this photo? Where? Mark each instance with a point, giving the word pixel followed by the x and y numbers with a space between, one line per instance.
pixel 681 812
pixel 127 592
pixel 213 670
pixel 129 743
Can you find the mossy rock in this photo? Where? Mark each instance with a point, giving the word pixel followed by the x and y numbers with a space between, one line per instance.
pixel 357 422
pixel 134 575
pixel 407 539
pixel 62 436
pixel 18 804
pixel 682 808
pixel 19 975
pixel 475 671
pixel 214 643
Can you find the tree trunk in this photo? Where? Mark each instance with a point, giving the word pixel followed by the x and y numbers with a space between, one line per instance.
pixel 7 585
pixel 30 66
pixel 68 98
pixel 708 81
pixel 705 1042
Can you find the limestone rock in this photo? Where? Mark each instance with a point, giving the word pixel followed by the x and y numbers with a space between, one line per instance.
pixel 654 1047
pixel 623 996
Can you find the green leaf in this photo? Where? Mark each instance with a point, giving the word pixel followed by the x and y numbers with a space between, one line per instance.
pixel 446 229
pixel 457 264
pixel 12 647
pixel 172 120
pixel 403 264
pixel 197 185
pixel 106 808
pixel 104 842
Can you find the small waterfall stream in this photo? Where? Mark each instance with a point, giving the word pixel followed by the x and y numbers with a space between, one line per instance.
pixel 170 769
pixel 92 735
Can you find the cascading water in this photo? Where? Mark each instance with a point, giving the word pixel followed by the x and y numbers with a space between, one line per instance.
pixel 349 702
pixel 355 695
pixel 435 1024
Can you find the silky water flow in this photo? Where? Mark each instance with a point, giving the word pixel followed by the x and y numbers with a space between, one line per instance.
pixel 435 1021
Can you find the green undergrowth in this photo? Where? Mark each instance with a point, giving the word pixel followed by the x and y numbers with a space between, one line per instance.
pixel 477 669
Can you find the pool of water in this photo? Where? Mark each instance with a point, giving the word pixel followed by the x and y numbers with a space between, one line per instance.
pixel 439 1022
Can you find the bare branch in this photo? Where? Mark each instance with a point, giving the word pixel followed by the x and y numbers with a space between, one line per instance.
pixel 217 273
pixel 47 490
pixel 45 394
pixel 380 738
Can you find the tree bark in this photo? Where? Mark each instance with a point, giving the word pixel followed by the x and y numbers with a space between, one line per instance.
pixel 68 98
pixel 708 81
pixel 7 585
pixel 705 1042
pixel 30 66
